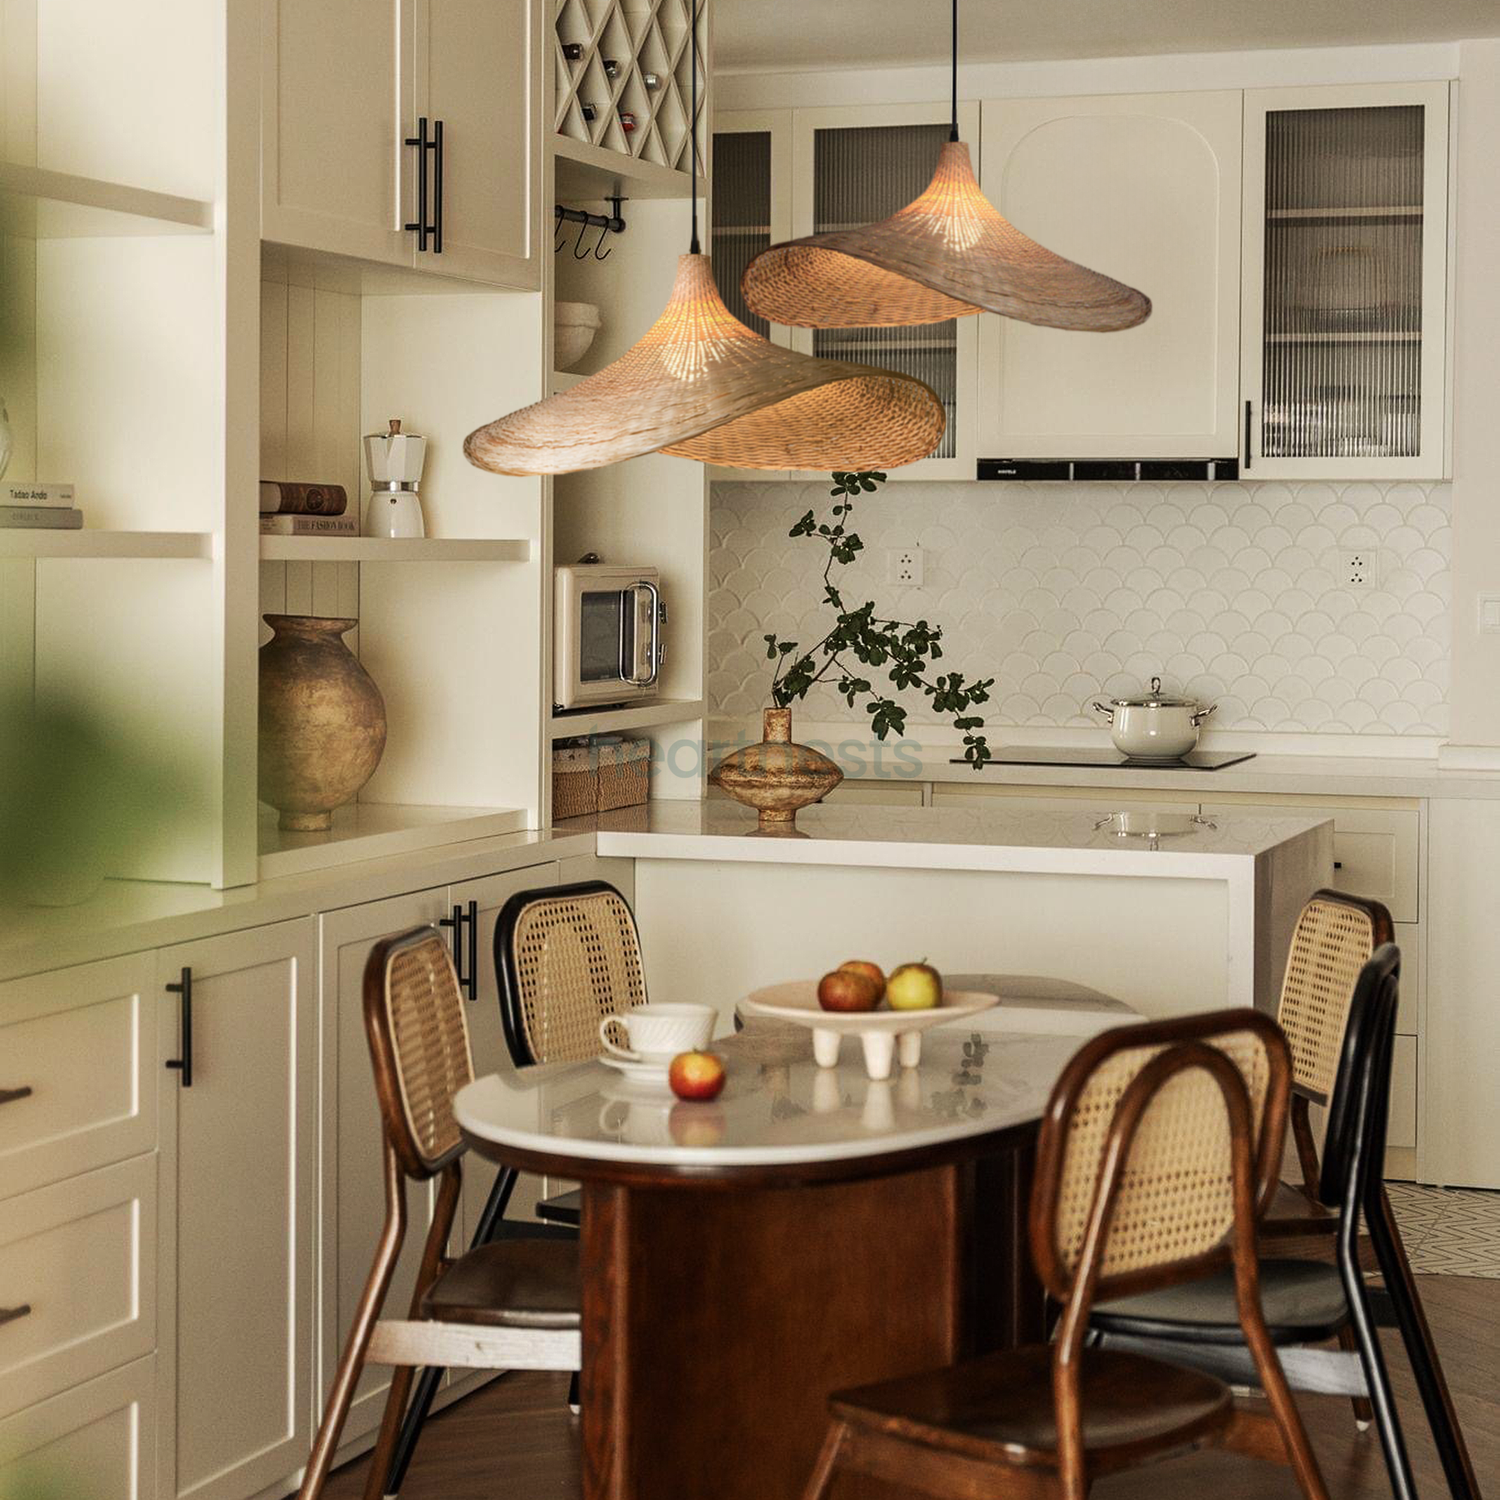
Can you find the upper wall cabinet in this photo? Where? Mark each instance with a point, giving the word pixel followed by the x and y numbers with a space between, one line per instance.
pixel 784 174
pixel 1145 188
pixel 346 87
pixel 1345 309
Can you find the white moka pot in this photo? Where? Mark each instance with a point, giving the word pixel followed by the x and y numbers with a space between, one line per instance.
pixel 1154 727
pixel 394 460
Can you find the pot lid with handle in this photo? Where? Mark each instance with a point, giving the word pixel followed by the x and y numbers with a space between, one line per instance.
pixel 1155 699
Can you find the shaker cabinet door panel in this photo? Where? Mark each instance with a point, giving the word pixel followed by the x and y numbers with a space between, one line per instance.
pixel 1345 284
pixel 1144 188
pixel 352 1194
pixel 477 68
pixel 336 104
pixel 240 1161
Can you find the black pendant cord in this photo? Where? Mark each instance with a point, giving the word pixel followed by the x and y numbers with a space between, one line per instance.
pixel 953 125
pixel 694 248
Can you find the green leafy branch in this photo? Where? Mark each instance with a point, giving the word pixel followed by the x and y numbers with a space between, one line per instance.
pixel 860 639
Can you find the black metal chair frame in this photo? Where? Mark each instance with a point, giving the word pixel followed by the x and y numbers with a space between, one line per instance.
pixel 493 1224
pixel 1350 1181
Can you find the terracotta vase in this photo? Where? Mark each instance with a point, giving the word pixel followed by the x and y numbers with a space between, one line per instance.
pixel 776 777
pixel 322 721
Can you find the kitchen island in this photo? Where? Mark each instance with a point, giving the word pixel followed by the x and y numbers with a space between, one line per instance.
pixel 1168 913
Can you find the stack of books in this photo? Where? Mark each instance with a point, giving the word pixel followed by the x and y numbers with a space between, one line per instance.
pixel 28 503
pixel 293 508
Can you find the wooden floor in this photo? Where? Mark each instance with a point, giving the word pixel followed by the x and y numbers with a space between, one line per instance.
pixel 516 1439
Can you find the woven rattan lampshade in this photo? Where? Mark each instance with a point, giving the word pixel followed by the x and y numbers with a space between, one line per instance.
pixel 702 385
pixel 947 254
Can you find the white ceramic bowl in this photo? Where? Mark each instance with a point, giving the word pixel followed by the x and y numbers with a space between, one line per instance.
pixel 884 1034
pixel 574 325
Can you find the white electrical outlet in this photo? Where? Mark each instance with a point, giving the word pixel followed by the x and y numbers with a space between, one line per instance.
pixel 903 565
pixel 1357 567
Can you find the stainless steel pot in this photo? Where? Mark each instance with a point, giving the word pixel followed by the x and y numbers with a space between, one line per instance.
pixel 1154 727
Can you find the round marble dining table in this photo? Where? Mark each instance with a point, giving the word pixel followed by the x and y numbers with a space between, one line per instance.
pixel 808 1230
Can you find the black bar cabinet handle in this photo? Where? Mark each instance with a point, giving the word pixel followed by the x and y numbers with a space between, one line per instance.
pixel 437 194
pixel 1247 434
pixel 184 1064
pixel 473 984
pixel 10 1314
pixel 9 1096
pixel 419 140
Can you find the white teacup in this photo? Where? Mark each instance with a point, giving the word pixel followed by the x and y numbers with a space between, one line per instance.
pixel 657 1033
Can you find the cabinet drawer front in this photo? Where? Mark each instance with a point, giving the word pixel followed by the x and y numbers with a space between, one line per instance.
pixel 78 1254
pixel 82 1042
pixel 93 1442
pixel 1375 849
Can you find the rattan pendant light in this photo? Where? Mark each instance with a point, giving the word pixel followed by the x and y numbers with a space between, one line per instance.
pixel 702 385
pixel 947 254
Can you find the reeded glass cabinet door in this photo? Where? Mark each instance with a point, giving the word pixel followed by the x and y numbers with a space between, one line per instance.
pixel 854 167
pixel 1345 282
pixel 741 213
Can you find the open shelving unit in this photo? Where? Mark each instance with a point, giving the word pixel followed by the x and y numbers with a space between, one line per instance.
pixel 192 545
pixel 633 716
pixel 379 549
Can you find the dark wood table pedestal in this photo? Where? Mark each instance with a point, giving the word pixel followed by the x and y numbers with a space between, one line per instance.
pixel 718 1315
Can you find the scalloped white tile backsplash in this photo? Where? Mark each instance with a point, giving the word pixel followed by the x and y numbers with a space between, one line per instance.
pixel 1063 593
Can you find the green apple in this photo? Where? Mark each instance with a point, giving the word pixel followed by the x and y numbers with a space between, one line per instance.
pixel 914 987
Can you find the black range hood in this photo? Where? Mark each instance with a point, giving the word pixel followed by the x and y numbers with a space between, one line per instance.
pixel 1115 470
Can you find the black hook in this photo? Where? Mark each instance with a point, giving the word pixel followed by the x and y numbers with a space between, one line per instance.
pixel 557 234
pixel 579 241
pixel 600 246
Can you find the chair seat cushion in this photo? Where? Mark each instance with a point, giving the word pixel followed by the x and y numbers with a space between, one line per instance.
pixel 565 1208
pixel 1292 1214
pixel 999 1408
pixel 1303 1301
pixel 510 1284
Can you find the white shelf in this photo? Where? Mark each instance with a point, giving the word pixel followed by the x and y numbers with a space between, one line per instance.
pixel 39 204
pixel 369 549
pixel 373 830
pixel 86 543
pixel 587 171
pixel 637 716
pixel 565 380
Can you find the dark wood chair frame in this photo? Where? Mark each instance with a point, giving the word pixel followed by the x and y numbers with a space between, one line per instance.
pixel 1349 1181
pixel 881 1446
pixel 561 1215
pixel 1398 1305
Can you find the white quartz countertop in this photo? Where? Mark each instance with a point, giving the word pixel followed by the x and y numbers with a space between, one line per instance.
pixel 1001 837
pixel 778 1109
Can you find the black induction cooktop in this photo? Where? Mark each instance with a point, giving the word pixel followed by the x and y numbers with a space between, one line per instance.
pixel 1043 755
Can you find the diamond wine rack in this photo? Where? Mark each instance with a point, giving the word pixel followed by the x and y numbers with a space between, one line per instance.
pixel 624 77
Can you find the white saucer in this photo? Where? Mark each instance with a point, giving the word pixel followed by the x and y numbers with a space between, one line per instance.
pixel 650 1074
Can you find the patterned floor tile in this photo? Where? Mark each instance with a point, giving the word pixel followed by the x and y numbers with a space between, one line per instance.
pixel 1449 1231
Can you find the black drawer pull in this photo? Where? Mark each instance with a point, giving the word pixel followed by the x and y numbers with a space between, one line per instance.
pixel 9 1096
pixel 184 1064
pixel 465 951
pixel 10 1314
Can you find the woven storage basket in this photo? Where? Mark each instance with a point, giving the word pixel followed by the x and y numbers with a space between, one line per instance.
pixel 599 778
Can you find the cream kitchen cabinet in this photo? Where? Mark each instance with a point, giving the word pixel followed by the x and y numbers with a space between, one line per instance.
pixel 94 1442
pixel 352 1191
pixel 788 173
pixel 1145 188
pixel 239 1146
pixel 1345 282
pixel 346 90
pixel 485 897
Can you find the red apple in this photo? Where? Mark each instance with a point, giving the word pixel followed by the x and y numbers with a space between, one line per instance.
pixel 870 971
pixel 914 987
pixel 847 989
pixel 696 1075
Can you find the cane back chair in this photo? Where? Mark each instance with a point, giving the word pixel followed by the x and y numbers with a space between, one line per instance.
pixel 1157 1153
pixel 1306 1302
pixel 1334 938
pixel 507 1305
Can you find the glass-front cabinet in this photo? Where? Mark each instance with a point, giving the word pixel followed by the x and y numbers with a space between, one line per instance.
pixel 1345 282
pixel 784 174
